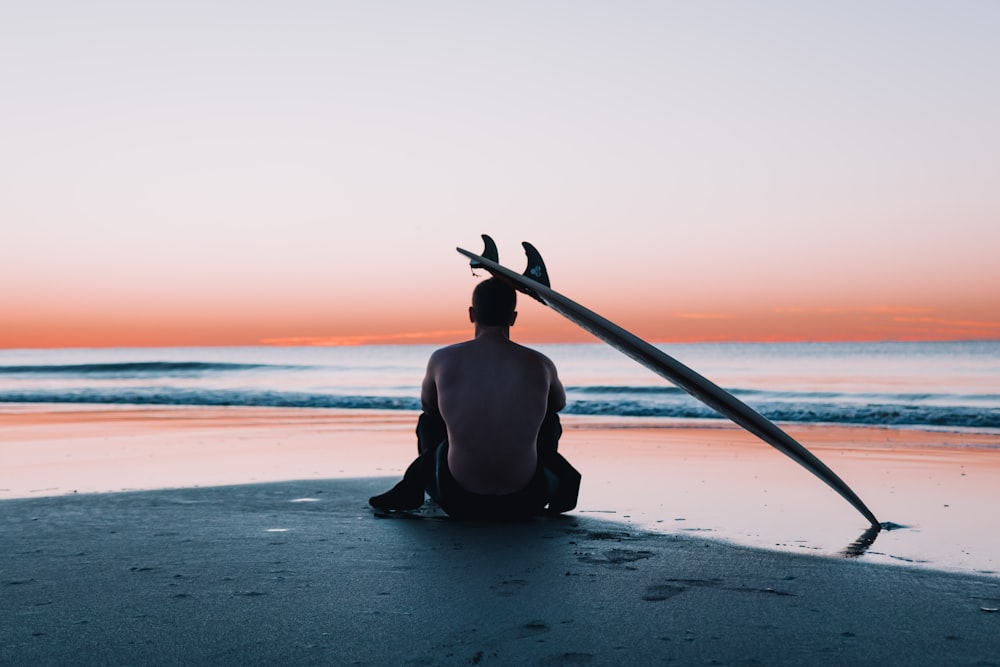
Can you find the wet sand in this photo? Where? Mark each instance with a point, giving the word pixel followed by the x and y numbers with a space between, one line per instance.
pixel 209 558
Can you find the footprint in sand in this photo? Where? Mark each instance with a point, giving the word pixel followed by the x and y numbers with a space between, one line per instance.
pixel 661 592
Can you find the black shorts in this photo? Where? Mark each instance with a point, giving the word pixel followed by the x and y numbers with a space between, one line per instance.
pixel 462 504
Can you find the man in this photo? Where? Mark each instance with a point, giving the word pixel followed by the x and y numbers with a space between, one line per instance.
pixel 488 436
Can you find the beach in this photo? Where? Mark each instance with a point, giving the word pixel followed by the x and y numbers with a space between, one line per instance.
pixel 242 535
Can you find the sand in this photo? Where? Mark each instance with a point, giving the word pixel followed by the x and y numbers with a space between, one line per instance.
pixel 232 566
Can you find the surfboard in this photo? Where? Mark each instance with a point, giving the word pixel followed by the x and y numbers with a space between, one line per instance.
pixel 534 282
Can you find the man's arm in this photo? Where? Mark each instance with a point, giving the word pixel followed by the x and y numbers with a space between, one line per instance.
pixel 428 389
pixel 557 393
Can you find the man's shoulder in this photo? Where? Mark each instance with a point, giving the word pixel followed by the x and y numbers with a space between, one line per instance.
pixel 450 351
pixel 530 351
pixel 530 355
pixel 453 348
pixel 474 347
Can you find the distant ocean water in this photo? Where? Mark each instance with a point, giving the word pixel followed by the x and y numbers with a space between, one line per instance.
pixel 950 385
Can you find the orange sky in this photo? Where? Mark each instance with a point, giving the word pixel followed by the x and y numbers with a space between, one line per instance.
pixel 172 176
pixel 345 323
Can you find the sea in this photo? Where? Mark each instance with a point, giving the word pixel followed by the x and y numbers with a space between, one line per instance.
pixel 952 386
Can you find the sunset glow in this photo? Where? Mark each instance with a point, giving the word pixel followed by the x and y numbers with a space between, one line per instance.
pixel 186 175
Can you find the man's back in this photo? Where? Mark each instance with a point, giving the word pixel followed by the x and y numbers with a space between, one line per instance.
pixel 493 395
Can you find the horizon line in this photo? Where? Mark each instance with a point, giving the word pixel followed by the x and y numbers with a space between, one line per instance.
pixel 391 343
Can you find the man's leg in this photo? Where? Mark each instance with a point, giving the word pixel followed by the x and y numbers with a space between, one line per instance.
pixel 408 494
pixel 563 479
pixel 548 435
pixel 431 432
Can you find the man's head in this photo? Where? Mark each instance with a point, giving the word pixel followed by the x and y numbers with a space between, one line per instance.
pixel 493 303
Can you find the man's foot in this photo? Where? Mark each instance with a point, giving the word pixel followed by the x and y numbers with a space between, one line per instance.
pixel 403 496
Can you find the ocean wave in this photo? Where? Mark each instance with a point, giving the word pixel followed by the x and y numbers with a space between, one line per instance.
pixel 664 389
pixel 874 414
pixel 211 398
pixel 822 413
pixel 131 369
pixel 766 395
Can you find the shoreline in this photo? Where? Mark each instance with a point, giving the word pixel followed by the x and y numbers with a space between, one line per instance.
pixel 710 479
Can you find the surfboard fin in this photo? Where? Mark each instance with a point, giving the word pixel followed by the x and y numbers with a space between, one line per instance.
pixel 490 252
pixel 536 267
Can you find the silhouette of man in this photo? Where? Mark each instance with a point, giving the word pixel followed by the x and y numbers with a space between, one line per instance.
pixel 489 431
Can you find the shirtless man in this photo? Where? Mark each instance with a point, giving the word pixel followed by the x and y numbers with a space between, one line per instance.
pixel 489 432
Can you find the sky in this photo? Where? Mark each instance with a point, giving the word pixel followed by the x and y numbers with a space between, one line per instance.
pixel 243 173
